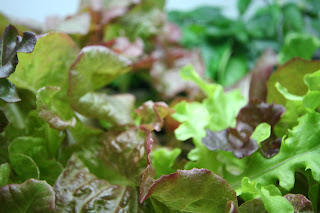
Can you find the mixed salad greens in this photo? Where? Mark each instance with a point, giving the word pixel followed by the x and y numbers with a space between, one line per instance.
pixel 107 111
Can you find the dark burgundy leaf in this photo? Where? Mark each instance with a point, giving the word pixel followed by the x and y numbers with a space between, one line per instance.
pixel 254 84
pixel 237 140
pixel 230 140
pixel 10 44
pixel 271 146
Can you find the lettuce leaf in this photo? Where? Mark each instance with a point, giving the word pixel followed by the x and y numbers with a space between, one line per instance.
pixel 298 45
pixel 299 202
pixel 196 190
pixel 8 91
pixel 10 44
pixel 163 160
pixel 30 196
pixel 300 151
pixel 47 106
pixel 29 158
pixel 99 65
pixel 79 190
pixel 290 76
pixel 5 171
pixel 270 195
pixel 58 52
pixel 238 139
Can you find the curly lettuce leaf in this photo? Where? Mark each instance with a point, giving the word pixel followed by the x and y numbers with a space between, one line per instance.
pixel 221 108
pixel 79 190
pixel 300 151
pixel 194 117
pixel 311 99
pixel 30 196
pixel 217 112
pixel 290 76
pixel 125 152
pixel 299 105
pixel 95 67
pixel 238 140
pixel 163 160
pixel 270 195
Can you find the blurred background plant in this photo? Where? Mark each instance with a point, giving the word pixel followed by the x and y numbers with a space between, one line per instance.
pixel 230 36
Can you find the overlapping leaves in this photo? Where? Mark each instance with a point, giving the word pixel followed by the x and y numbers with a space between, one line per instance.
pixel 10 44
pixel 79 190
pixel 99 65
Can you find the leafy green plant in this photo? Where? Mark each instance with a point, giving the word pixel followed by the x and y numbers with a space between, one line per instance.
pixel 92 134
pixel 231 46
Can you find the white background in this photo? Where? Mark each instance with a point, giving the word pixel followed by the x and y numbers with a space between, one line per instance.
pixel 38 10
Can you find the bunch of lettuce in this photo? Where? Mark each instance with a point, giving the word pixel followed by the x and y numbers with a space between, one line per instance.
pixel 85 138
pixel 231 46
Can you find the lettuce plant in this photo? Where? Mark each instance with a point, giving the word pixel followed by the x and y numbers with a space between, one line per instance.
pixel 84 126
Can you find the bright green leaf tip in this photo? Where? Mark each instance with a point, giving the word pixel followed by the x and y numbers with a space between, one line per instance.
pixel 261 133
pixel 188 73
pixel 163 160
